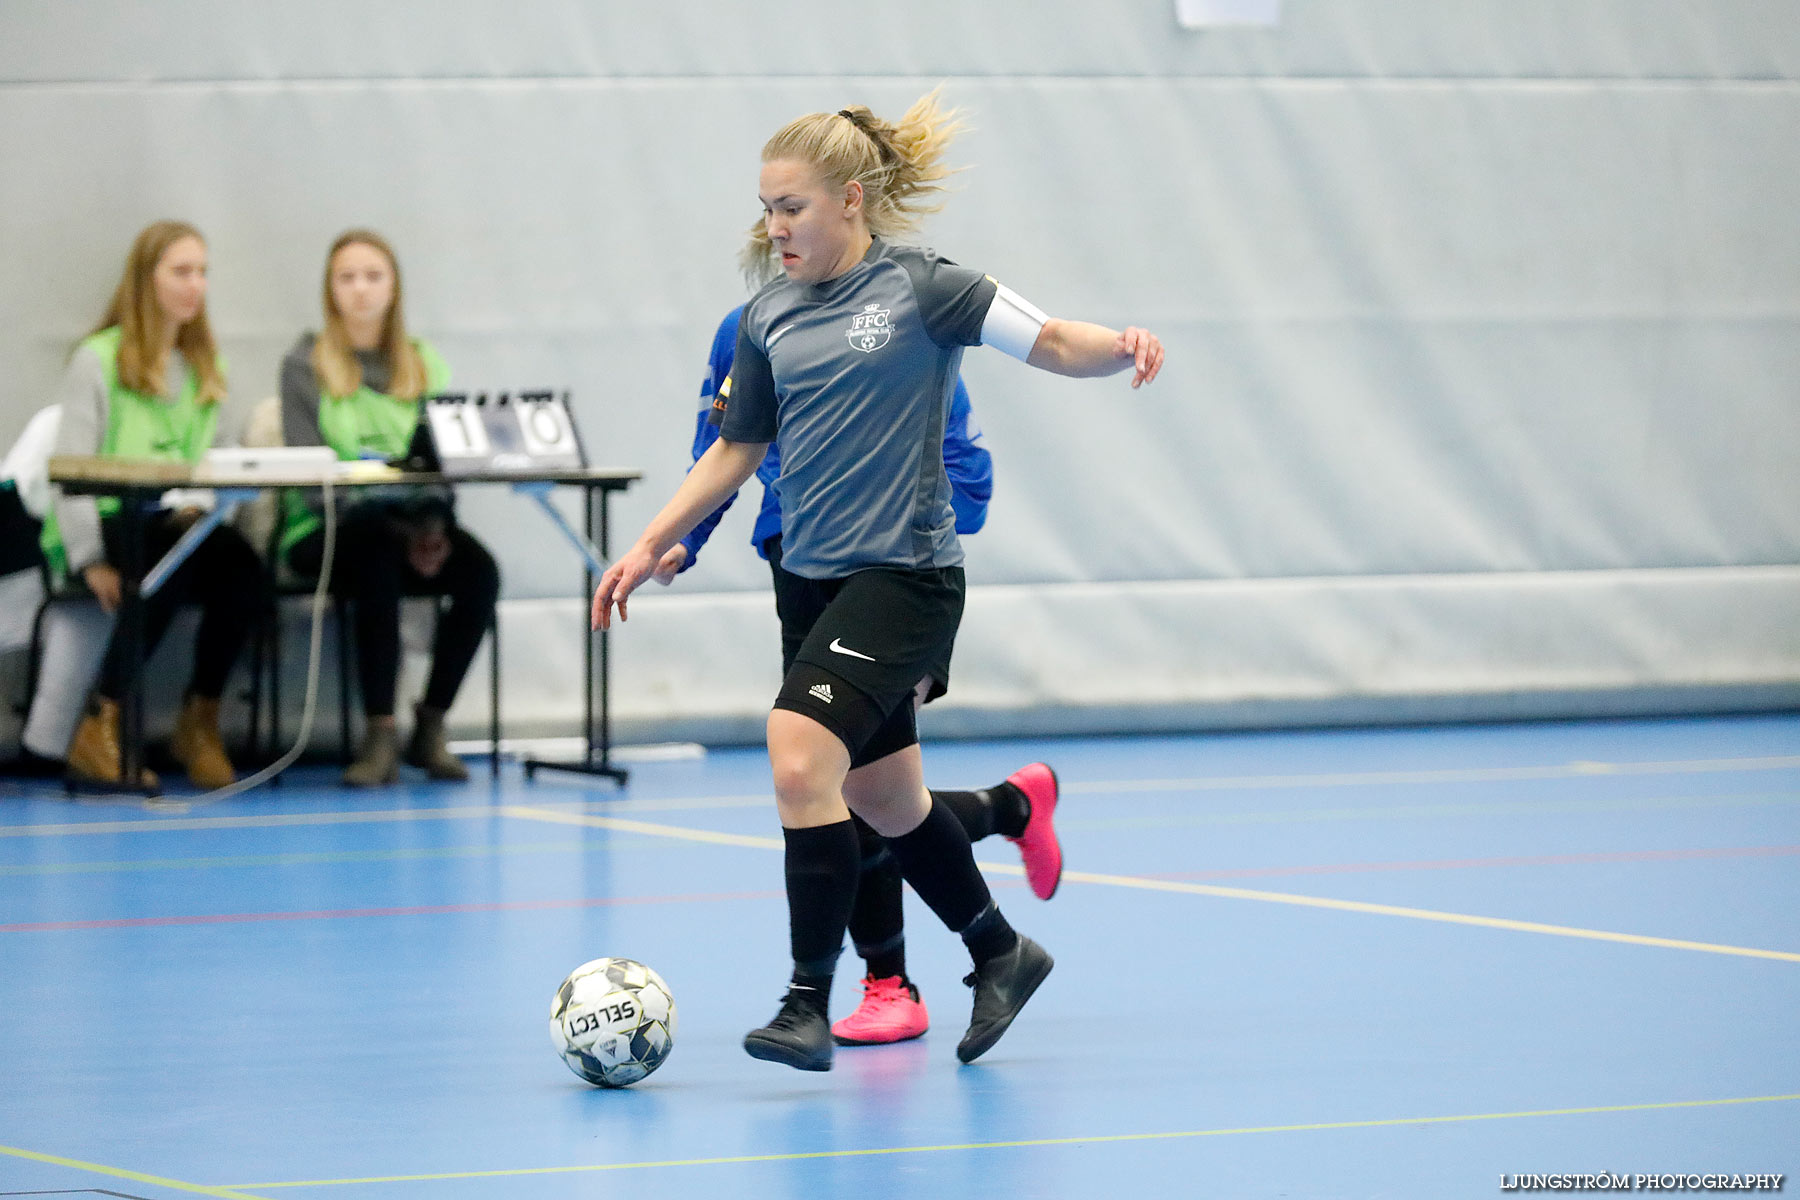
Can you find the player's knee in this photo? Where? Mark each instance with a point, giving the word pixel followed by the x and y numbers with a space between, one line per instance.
pixel 800 775
pixel 891 812
pixel 806 759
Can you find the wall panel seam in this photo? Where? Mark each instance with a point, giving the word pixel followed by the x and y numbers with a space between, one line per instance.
pixel 926 79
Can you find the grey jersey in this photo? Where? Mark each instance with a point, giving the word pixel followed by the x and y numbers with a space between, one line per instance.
pixel 852 379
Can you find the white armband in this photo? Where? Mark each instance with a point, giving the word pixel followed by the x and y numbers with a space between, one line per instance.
pixel 1012 323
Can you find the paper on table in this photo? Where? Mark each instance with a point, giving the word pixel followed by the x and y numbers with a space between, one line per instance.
pixel 363 468
pixel 203 499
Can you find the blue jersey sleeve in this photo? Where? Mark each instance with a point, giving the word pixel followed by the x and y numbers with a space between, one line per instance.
pixel 718 368
pixel 967 463
pixel 705 434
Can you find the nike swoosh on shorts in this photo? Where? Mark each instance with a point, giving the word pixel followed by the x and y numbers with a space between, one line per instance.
pixel 837 647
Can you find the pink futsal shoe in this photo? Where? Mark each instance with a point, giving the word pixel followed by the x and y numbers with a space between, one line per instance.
pixel 891 1011
pixel 1038 845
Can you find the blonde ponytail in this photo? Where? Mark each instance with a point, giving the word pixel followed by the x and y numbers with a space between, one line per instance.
pixel 900 167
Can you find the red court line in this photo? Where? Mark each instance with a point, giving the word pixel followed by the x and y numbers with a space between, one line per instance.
pixel 418 910
pixel 1452 864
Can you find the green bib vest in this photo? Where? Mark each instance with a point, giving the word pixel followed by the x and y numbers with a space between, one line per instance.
pixel 366 424
pixel 140 426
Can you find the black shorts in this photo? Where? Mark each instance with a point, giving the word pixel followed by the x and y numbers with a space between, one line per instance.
pixel 854 649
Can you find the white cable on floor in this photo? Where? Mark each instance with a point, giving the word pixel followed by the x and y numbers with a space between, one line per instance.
pixel 320 593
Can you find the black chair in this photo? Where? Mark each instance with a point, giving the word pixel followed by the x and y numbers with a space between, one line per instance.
pixel 19 532
pixel 283 584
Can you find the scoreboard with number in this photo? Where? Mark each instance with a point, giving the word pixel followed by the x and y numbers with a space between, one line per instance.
pixel 464 435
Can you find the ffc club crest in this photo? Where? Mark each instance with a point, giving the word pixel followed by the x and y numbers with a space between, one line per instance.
pixel 869 329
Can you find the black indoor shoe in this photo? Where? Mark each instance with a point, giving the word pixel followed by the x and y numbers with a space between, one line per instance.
pixel 1002 986
pixel 800 1034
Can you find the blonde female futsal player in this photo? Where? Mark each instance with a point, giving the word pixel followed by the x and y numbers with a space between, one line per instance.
pixel 848 361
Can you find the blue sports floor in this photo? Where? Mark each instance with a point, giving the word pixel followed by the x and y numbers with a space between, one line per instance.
pixel 1389 963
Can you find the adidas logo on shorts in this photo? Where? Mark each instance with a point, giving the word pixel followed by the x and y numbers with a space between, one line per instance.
pixel 821 692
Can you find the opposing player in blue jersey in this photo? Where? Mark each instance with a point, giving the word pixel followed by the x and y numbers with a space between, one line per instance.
pixel 847 362
pixel 1021 808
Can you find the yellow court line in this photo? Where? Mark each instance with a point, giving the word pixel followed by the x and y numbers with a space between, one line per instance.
pixel 135 1176
pixel 525 812
pixel 1093 1140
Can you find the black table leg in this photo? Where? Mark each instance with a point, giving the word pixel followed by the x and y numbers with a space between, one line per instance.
pixel 131 631
pixel 494 697
pixel 605 653
pixel 597 759
pixel 589 583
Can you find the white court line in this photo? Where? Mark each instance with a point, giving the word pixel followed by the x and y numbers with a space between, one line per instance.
pixel 1202 783
pixel 525 812
pixel 1423 914
pixel 460 812
pixel 1573 770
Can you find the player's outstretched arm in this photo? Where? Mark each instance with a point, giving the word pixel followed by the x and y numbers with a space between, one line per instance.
pixel 682 554
pixel 1083 350
pixel 722 470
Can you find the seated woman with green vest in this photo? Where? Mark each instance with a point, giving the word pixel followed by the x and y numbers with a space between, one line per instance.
pixel 356 387
pixel 148 384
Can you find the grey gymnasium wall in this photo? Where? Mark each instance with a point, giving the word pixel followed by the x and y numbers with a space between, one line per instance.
pixel 1481 317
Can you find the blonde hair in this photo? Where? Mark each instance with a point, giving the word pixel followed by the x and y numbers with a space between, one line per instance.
pixel 333 358
pixel 899 166
pixel 141 322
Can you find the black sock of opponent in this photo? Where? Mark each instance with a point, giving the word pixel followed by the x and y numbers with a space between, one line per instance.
pixel 1011 809
pixel 937 861
pixel 972 810
pixel 822 865
pixel 1001 809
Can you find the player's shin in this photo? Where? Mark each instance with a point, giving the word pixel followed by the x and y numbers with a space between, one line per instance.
pixel 936 858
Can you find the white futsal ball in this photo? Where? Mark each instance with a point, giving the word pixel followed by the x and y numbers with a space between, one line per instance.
pixel 613 1021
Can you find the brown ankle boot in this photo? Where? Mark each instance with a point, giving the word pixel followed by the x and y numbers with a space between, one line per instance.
pixel 377 759
pixel 429 750
pixel 198 746
pixel 94 750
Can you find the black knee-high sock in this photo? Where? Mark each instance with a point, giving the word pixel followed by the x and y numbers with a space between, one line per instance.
pixel 877 919
pixel 989 935
pixel 822 864
pixel 937 861
pixel 1001 809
